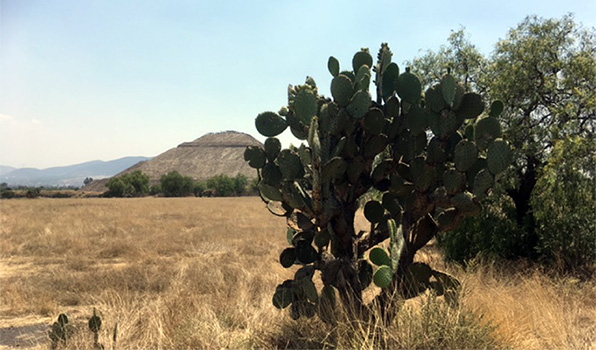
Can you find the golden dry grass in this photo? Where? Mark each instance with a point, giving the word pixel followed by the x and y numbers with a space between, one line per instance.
pixel 199 273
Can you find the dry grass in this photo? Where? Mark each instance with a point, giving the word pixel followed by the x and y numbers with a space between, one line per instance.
pixel 199 273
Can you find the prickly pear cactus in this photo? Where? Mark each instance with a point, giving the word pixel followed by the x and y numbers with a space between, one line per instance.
pixel 60 332
pixel 95 327
pixel 432 155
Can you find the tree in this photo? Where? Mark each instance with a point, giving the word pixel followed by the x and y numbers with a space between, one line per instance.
pixel 223 185
pixel 409 146
pixel 460 57
pixel 564 204
pixel 135 184
pixel 545 73
pixel 240 184
pixel 87 181
pixel 119 187
pixel 173 184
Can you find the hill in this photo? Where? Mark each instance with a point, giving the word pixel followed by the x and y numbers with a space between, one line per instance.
pixel 211 154
pixel 72 175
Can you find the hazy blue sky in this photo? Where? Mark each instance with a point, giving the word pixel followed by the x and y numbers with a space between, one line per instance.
pixel 86 80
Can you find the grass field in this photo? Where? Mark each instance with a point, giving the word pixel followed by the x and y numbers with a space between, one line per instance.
pixel 200 272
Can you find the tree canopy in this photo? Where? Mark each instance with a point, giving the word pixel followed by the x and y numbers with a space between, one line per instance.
pixel 544 71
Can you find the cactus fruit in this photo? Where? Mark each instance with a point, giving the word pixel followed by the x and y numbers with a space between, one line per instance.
pixel 409 146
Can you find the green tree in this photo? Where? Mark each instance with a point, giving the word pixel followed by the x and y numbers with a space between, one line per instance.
pixel 118 187
pixel 223 185
pixel 135 184
pixel 174 184
pixel 564 204
pixel 545 73
pixel 139 181
pixel 460 57
pixel 240 184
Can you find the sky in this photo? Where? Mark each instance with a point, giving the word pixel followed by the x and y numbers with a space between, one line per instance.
pixel 104 79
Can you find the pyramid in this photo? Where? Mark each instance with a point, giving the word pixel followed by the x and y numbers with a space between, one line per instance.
pixel 211 154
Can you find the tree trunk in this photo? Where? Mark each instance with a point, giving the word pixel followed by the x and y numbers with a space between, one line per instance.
pixel 522 197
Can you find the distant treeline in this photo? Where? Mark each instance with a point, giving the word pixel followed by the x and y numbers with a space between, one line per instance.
pixel 174 184
pixel 137 184
pixel 7 192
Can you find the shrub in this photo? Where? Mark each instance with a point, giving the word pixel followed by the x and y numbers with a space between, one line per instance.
pixel 564 203
pixel 135 184
pixel 173 184
pixel 7 194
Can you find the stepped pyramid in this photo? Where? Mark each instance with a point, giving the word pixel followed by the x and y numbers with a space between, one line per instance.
pixel 211 154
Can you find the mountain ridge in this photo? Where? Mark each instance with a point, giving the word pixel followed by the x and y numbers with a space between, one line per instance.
pixel 69 175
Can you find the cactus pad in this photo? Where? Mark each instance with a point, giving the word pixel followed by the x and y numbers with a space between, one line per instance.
pixel 417 120
pixel 499 156
pixel 448 89
pixel 453 181
pixel 496 108
pixel 471 106
pixel 283 297
pixel 485 130
pixel 305 105
pixel 287 257
pixel 482 182
pixel 270 124
pixel 465 155
pixel 379 256
pixel 434 99
pixel 374 121
pixel 383 276
pixel 305 253
pixel 289 164
pixel 358 106
pixel 342 90
pixel 465 203
pixel 390 80
pixel 333 66
pixel 361 58
pixel 408 87
pixel 255 156
pixel 272 148
pixel 374 211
